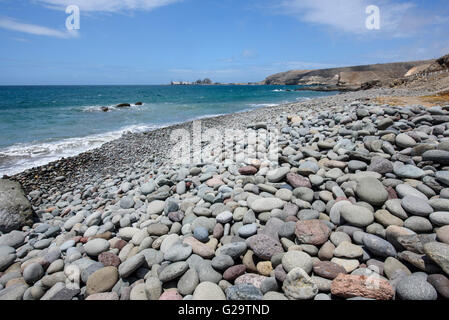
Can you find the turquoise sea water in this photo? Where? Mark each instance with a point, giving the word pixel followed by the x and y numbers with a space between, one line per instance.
pixel 40 124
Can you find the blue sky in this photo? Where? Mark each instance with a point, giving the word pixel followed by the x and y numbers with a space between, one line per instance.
pixel 156 41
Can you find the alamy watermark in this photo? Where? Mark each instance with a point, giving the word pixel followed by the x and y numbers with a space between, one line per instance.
pixel 373 278
pixel 372 22
pixel 73 20
pixel 214 146
pixel 73 277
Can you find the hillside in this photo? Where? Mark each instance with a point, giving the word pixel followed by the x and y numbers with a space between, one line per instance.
pixel 348 76
pixel 433 76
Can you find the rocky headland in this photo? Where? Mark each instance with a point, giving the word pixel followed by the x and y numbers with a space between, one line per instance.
pixel 427 74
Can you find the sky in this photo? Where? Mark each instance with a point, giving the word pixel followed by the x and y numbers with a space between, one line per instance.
pixel 157 41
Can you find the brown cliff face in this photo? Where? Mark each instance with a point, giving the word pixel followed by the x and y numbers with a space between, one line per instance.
pixel 346 76
pixel 433 76
pixel 439 65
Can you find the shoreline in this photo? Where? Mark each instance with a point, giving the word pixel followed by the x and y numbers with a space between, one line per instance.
pixel 80 124
pixel 118 154
pixel 109 153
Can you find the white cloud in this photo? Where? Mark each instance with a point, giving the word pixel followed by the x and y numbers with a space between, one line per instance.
pixel 240 58
pixel 247 53
pixel 228 60
pixel 13 24
pixel 19 39
pixel 108 5
pixel 348 15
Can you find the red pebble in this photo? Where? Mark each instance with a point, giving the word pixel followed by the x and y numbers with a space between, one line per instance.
pixel 391 193
pixel 83 240
pixel 77 239
pixel 120 244
pixel 108 259
pixel 291 218
pixel 170 295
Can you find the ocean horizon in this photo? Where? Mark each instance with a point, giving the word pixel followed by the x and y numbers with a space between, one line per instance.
pixel 41 124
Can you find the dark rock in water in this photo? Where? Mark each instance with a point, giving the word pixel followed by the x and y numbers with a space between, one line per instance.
pixel 243 292
pixel 104 109
pixel 123 105
pixel 139 103
pixel 15 209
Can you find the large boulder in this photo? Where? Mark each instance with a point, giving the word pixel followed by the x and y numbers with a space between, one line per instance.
pixel 123 105
pixel 15 209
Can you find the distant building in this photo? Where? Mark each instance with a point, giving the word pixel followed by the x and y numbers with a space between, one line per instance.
pixel 181 83
pixel 187 83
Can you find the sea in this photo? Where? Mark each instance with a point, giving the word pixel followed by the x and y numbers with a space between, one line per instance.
pixel 41 124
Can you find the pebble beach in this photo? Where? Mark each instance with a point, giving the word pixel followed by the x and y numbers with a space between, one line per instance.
pixel 353 205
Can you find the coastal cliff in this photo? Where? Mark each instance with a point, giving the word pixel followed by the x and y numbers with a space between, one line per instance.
pixel 346 76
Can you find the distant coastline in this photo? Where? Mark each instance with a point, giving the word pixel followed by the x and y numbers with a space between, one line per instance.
pixel 208 82
pixel 187 83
